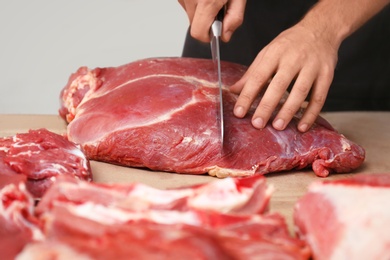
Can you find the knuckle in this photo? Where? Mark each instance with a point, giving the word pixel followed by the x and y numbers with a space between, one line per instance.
pixel 214 4
pixel 303 89
pixel 311 113
pixel 197 34
pixel 327 70
pixel 258 77
pixel 246 97
pixel 237 20
pixel 266 108
pixel 318 100
pixel 308 118
pixel 289 111
pixel 279 83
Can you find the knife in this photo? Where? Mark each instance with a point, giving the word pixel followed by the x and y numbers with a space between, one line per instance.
pixel 215 35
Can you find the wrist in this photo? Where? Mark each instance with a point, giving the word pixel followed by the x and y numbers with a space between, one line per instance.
pixel 324 26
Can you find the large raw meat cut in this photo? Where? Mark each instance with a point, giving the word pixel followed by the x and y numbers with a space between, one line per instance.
pixel 41 156
pixel 347 219
pixel 161 114
pixel 224 219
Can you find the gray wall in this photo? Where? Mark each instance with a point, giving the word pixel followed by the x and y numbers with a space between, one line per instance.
pixel 44 41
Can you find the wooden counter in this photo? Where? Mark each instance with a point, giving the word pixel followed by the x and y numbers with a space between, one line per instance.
pixel 369 129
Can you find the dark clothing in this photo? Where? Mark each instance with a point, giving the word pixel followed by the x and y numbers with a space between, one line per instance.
pixel 362 74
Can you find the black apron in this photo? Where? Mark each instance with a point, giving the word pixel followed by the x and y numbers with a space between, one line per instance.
pixel 362 75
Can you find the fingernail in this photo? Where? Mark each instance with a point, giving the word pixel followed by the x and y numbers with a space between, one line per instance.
pixel 279 124
pixel 303 127
pixel 258 122
pixel 239 111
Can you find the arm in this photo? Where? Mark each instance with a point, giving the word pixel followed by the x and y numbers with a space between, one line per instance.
pixel 201 14
pixel 306 53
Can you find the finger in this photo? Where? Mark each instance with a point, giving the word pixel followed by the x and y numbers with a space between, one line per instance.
pixel 256 79
pixel 189 8
pixel 239 85
pixel 233 19
pixel 181 2
pixel 299 92
pixel 203 18
pixel 317 100
pixel 272 97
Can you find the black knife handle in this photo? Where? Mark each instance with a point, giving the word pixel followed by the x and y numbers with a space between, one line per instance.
pixel 221 14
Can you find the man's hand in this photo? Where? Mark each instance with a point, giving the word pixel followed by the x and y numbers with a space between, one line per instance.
pixel 295 55
pixel 201 14
pixel 304 55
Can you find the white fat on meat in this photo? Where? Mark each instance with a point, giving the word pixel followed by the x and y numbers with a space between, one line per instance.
pixel 19 209
pixel 366 219
pixel 110 216
pixel 222 196
pixel 81 82
pixel 157 196
pixel 79 154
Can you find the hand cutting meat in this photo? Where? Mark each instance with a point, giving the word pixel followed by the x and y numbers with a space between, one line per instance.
pixel 127 168
pixel 161 114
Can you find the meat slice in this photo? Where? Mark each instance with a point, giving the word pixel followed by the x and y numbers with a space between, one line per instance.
pixel 18 225
pixel 149 240
pixel 239 196
pixel 161 114
pixel 223 219
pixel 346 219
pixel 41 156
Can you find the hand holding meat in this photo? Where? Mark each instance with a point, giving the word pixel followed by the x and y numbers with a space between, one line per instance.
pixel 296 54
pixel 201 14
pixel 302 57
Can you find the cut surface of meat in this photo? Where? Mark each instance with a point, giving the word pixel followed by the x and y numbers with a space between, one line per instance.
pixel 149 240
pixel 239 196
pixel 41 156
pixel 18 225
pixel 121 221
pixel 346 219
pixel 162 114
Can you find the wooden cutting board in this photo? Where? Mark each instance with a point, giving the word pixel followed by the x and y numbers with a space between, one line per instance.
pixel 369 129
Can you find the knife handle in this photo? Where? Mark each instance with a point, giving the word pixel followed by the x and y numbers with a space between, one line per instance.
pixel 221 14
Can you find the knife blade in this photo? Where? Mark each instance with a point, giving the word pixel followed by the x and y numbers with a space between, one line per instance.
pixel 215 35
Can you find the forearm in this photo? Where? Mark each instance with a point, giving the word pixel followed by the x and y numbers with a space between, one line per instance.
pixel 335 20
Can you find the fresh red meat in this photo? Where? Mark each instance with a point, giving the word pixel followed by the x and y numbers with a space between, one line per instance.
pixel 10 177
pixel 149 240
pixel 161 114
pixel 216 220
pixel 238 196
pixel 41 156
pixel 18 225
pixel 346 219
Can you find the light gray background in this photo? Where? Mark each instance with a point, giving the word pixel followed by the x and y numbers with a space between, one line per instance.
pixel 43 41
